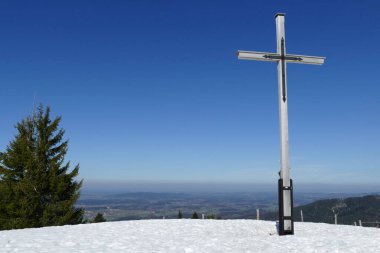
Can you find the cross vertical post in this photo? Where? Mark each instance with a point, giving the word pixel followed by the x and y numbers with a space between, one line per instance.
pixel 285 184
pixel 285 187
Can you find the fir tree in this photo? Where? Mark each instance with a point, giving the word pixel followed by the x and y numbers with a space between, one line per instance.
pixel 99 218
pixel 36 187
pixel 180 215
pixel 194 216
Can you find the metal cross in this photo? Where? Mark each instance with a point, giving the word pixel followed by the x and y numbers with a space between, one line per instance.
pixel 285 184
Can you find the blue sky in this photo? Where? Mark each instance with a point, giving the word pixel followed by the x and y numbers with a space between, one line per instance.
pixel 152 91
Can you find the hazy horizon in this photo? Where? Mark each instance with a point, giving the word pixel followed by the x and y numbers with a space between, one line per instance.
pixel 114 187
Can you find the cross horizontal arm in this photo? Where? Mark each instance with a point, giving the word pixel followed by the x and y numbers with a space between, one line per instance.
pixel 257 56
pixel 304 59
pixel 291 58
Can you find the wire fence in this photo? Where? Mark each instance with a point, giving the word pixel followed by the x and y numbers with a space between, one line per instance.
pixel 371 223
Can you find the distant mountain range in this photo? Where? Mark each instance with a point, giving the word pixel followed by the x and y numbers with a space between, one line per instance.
pixel 349 210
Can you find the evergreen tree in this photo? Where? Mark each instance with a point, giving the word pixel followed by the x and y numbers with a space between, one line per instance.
pixel 180 215
pixel 36 187
pixel 195 216
pixel 99 218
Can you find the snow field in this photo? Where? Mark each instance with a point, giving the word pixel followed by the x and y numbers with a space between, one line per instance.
pixel 188 236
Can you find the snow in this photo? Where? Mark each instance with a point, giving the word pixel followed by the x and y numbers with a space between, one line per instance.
pixel 190 236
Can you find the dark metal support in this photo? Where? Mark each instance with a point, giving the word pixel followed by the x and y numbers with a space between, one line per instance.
pixel 283 69
pixel 282 217
pixel 278 57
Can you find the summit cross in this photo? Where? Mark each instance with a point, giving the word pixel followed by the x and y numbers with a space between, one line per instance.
pixel 285 184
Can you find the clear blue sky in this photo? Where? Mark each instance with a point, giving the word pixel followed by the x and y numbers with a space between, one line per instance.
pixel 152 90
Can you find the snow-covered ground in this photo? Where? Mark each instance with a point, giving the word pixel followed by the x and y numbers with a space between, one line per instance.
pixel 190 236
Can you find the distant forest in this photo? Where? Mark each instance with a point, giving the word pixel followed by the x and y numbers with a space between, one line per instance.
pixel 349 210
